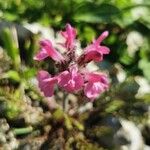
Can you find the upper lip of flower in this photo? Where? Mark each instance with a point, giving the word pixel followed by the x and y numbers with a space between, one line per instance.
pixel 94 51
pixel 69 35
pixel 96 45
pixel 47 49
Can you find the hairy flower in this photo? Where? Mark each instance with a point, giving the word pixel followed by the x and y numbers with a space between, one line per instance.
pixel 47 50
pixel 72 74
pixel 71 80
pixel 46 83
pixel 96 84
pixel 69 35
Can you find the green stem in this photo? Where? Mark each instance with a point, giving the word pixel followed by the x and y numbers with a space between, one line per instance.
pixel 20 131
pixel 65 102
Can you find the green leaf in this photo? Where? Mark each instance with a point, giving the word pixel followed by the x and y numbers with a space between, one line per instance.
pixel 29 73
pixel 77 124
pixel 14 75
pixel 68 122
pixel 125 58
pixel 144 65
pixel 128 89
pixel 12 110
pixel 10 44
pixel 96 13
pixel 21 131
pixel 114 106
pixel 87 34
pixel 58 114
pixel 10 16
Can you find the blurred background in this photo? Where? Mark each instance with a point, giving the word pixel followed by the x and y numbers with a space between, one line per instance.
pixel 118 119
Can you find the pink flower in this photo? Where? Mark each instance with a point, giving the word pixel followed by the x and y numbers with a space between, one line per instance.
pixel 95 51
pixel 71 80
pixel 69 35
pixel 72 74
pixel 96 84
pixel 46 83
pixel 47 50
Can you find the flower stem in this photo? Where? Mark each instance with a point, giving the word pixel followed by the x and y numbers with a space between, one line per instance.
pixel 65 102
pixel 20 131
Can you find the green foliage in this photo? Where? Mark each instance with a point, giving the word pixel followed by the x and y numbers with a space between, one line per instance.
pixel 69 122
pixel 10 44
pixel 12 110
pixel 96 13
pixel 145 65
pixel 114 106
pixel 13 75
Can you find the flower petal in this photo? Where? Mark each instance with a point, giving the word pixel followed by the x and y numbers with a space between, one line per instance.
pixel 46 83
pixel 71 80
pixel 95 51
pixel 102 37
pixel 93 55
pixel 93 90
pixel 96 84
pixel 41 55
pixel 103 50
pixel 51 51
pixel 69 35
pixel 47 50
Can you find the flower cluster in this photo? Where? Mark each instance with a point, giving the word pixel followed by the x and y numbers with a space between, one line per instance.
pixel 72 75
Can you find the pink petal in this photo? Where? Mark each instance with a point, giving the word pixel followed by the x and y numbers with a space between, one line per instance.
pixel 93 90
pixel 91 47
pixel 97 77
pixel 103 50
pixel 78 82
pixel 93 55
pixel 46 83
pixel 71 80
pixel 73 70
pixel 66 82
pixel 102 37
pixel 69 35
pixel 51 51
pixel 96 84
pixel 104 80
pixel 63 78
pixel 95 51
pixel 47 50
pixel 41 55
